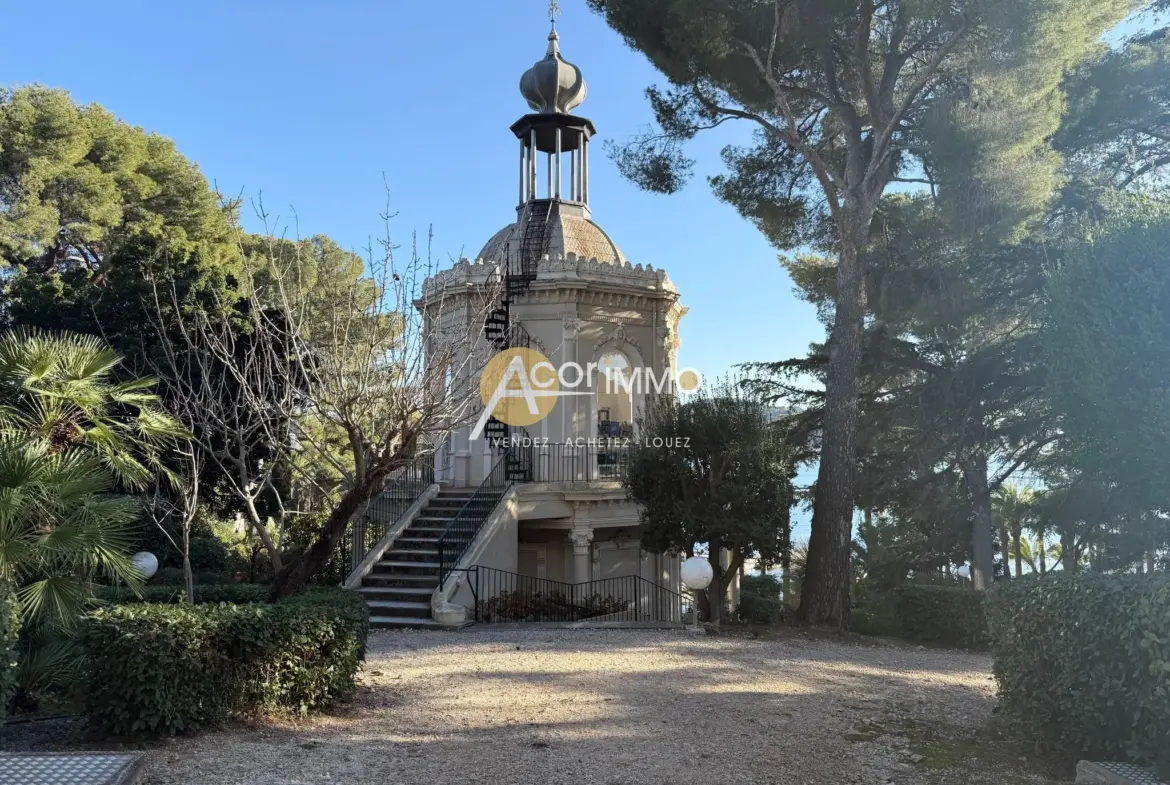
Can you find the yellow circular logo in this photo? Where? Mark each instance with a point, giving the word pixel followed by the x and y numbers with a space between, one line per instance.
pixel 519 386
pixel 689 380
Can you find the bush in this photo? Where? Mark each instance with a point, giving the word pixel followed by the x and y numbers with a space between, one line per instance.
pixel 510 606
pixel 950 615
pixel 875 617
pixel 9 632
pixel 1083 660
pixel 759 609
pixel 765 585
pixel 173 576
pixel 164 668
pixel 172 594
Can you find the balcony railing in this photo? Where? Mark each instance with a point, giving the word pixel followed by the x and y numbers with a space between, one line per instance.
pixel 592 461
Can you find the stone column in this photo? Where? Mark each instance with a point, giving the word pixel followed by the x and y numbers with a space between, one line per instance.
pixel 570 325
pixel 582 555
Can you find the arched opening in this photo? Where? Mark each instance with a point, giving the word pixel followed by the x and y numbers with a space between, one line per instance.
pixel 614 396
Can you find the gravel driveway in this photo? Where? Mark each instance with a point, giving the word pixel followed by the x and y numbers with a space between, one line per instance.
pixel 607 707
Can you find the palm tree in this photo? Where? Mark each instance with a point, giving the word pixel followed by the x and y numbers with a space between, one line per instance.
pixel 1012 509
pixel 59 389
pixel 71 436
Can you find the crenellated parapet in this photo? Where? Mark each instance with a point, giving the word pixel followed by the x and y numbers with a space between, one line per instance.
pixel 567 270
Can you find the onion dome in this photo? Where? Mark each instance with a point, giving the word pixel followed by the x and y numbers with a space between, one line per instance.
pixel 553 85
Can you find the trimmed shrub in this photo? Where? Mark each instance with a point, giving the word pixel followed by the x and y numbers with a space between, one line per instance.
pixel 876 617
pixel 9 632
pixel 164 668
pixel 759 609
pixel 1083 660
pixel 174 594
pixel 950 615
pixel 765 585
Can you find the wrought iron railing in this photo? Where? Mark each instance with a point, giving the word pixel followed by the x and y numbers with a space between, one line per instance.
pixel 401 490
pixel 472 515
pixel 606 460
pixel 502 596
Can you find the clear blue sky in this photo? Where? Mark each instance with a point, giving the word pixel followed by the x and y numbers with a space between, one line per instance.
pixel 310 103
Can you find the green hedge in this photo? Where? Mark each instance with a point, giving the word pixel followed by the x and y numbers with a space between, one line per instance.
pixel 949 615
pixel 1083 661
pixel 204 593
pixel 759 609
pixel 9 632
pixel 163 669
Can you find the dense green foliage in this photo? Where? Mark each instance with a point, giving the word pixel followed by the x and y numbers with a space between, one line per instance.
pixel 165 669
pixel 760 599
pixel 728 488
pixel 173 594
pixel 1084 662
pixel 950 615
pixel 846 99
pixel 72 439
pixel 9 633
pixel 1109 355
pixel 90 207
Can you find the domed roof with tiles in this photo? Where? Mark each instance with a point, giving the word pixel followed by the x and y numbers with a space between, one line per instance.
pixel 571 234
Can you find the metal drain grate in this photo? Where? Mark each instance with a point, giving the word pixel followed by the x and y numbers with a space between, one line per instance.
pixel 1112 773
pixel 69 769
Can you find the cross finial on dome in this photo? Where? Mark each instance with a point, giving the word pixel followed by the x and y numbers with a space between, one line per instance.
pixel 554 10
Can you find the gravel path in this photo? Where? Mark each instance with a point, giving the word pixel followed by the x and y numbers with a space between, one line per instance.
pixel 607 707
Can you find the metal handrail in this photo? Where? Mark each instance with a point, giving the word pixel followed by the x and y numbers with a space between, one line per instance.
pixel 471 516
pixel 401 490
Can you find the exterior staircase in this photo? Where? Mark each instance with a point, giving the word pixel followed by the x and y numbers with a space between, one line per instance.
pixel 398 589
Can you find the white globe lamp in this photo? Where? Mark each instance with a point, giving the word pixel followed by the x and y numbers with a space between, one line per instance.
pixel 146 563
pixel 696 575
pixel 964 571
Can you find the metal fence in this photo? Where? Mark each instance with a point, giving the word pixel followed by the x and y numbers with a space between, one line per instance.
pixel 502 596
pixel 402 489
pixel 605 461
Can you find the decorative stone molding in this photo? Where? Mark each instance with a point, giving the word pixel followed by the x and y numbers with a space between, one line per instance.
pixel 582 539
pixel 571 324
pixel 618 337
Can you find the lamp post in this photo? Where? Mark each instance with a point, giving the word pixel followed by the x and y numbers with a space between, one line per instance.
pixel 696 575
pixel 146 562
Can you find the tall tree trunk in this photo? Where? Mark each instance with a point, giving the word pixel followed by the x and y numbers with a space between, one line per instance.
pixel 1017 538
pixel 983 566
pixel 188 576
pixel 786 577
pixel 1005 551
pixel 1043 545
pixel 824 598
pixel 1151 562
pixel 300 570
pixel 1068 556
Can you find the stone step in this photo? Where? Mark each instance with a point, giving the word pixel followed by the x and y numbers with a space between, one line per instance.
pixel 388 622
pixel 392 580
pixel 400 608
pixel 397 591
pixel 412 553
pixel 420 540
pixel 410 565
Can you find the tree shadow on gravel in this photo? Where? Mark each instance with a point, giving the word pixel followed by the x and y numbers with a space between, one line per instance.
pixel 607 708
